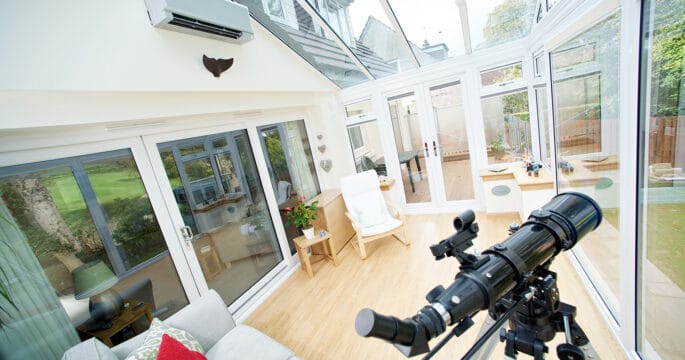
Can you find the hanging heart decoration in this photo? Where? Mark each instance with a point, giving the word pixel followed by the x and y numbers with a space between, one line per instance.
pixel 326 164
pixel 322 148
pixel 319 136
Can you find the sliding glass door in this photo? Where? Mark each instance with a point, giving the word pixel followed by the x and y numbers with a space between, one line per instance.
pixel 225 217
pixel 73 216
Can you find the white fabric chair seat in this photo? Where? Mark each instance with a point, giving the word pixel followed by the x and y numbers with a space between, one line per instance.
pixel 388 225
pixel 368 211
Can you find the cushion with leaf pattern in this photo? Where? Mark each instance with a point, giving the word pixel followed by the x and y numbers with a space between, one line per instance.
pixel 150 348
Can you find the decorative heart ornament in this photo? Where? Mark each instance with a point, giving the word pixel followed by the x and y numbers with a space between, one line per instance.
pixel 319 136
pixel 326 164
pixel 322 148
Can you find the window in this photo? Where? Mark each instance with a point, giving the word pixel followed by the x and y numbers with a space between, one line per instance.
pixel 507 126
pixel 291 167
pixel 356 138
pixel 586 108
pixel 543 127
pixel 359 108
pixel 661 201
pixel 539 65
pixel 85 212
pixel 275 8
pixel 499 21
pixel 502 75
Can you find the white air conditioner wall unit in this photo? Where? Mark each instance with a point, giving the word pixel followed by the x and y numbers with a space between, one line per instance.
pixel 217 19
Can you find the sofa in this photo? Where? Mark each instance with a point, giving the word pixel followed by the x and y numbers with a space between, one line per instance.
pixel 210 323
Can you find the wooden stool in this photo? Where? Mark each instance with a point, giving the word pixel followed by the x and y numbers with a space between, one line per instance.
pixel 302 244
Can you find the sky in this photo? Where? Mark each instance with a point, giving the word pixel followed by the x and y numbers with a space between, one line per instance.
pixel 438 20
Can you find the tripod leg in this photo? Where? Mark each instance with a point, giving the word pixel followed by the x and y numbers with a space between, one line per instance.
pixel 486 350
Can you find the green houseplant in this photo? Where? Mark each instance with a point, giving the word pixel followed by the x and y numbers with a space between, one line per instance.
pixel 302 215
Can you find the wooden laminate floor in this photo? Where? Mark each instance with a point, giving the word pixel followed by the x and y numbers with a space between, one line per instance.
pixel 456 177
pixel 315 317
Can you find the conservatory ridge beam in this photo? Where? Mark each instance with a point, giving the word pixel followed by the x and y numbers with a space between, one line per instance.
pixel 398 29
pixel 334 36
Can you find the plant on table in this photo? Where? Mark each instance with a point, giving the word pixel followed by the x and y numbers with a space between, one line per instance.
pixel 302 215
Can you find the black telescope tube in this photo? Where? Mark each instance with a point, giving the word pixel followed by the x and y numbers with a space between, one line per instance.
pixel 557 226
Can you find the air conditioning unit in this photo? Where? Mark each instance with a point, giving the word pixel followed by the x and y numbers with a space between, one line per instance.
pixel 217 19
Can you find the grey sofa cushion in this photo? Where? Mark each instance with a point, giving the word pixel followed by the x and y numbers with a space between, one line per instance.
pixel 207 319
pixel 90 349
pixel 245 342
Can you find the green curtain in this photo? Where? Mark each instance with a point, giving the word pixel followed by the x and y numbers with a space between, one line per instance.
pixel 34 324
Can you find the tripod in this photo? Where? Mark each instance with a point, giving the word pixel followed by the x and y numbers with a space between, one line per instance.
pixel 534 319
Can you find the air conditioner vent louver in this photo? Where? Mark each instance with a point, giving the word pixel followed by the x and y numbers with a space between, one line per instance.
pixel 186 22
pixel 216 19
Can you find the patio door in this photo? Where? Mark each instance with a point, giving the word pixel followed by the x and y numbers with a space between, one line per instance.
pixel 215 196
pixel 432 145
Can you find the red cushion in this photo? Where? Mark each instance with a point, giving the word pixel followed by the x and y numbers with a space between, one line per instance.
pixel 172 349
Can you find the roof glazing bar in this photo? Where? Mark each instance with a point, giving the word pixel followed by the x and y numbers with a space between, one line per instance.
pixel 398 29
pixel 334 36
pixel 465 29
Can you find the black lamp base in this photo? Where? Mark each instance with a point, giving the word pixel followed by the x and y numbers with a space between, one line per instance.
pixel 105 307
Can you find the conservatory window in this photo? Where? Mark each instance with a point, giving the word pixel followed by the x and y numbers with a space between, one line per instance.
pixel 503 75
pixel 507 126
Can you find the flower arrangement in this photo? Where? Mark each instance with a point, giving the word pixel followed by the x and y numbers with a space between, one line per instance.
pixel 302 215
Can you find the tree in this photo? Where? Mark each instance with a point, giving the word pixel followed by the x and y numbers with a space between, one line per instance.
pixel 511 20
pixel 668 57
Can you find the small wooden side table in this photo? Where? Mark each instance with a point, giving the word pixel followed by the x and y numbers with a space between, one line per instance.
pixel 128 317
pixel 302 244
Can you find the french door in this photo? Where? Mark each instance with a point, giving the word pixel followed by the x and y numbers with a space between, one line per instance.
pixel 431 143
pixel 216 200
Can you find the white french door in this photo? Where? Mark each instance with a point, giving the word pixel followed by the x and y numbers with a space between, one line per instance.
pixel 431 145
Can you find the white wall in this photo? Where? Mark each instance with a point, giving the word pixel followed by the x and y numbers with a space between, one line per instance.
pixel 111 46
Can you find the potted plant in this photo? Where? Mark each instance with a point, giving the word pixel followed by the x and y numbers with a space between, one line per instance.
pixel 497 146
pixel 302 215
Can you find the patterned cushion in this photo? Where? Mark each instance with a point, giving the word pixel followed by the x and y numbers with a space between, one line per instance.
pixel 150 347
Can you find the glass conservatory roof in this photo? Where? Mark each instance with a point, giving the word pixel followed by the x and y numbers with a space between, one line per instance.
pixel 353 41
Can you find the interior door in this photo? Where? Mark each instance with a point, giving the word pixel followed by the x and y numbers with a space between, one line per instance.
pixel 216 198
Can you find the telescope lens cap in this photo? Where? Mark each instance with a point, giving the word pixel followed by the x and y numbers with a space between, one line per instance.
pixel 364 322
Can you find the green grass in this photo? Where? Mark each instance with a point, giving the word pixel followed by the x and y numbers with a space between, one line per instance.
pixel 665 238
pixel 107 186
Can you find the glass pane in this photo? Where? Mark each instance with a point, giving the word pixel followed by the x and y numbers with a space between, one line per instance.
pixel 539 65
pixel 543 125
pixel 80 214
pixel 235 242
pixel 434 31
pixel 573 56
pixel 291 167
pixel 364 26
pixel 409 144
pixel 662 200
pixel 507 127
pixel 586 109
pixel 502 75
pixel 359 108
pixel 453 142
pixel 370 151
pixel 300 33
pixel 499 21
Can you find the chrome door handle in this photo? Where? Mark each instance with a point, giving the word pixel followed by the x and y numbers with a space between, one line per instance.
pixel 187 234
pixel 435 149
pixel 425 146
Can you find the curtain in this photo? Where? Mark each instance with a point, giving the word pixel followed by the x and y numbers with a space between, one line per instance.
pixel 36 326
pixel 301 168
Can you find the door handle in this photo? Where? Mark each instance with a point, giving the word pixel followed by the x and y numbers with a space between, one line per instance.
pixel 187 234
pixel 425 146
pixel 435 149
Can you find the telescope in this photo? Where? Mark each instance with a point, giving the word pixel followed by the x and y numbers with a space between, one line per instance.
pixel 511 279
